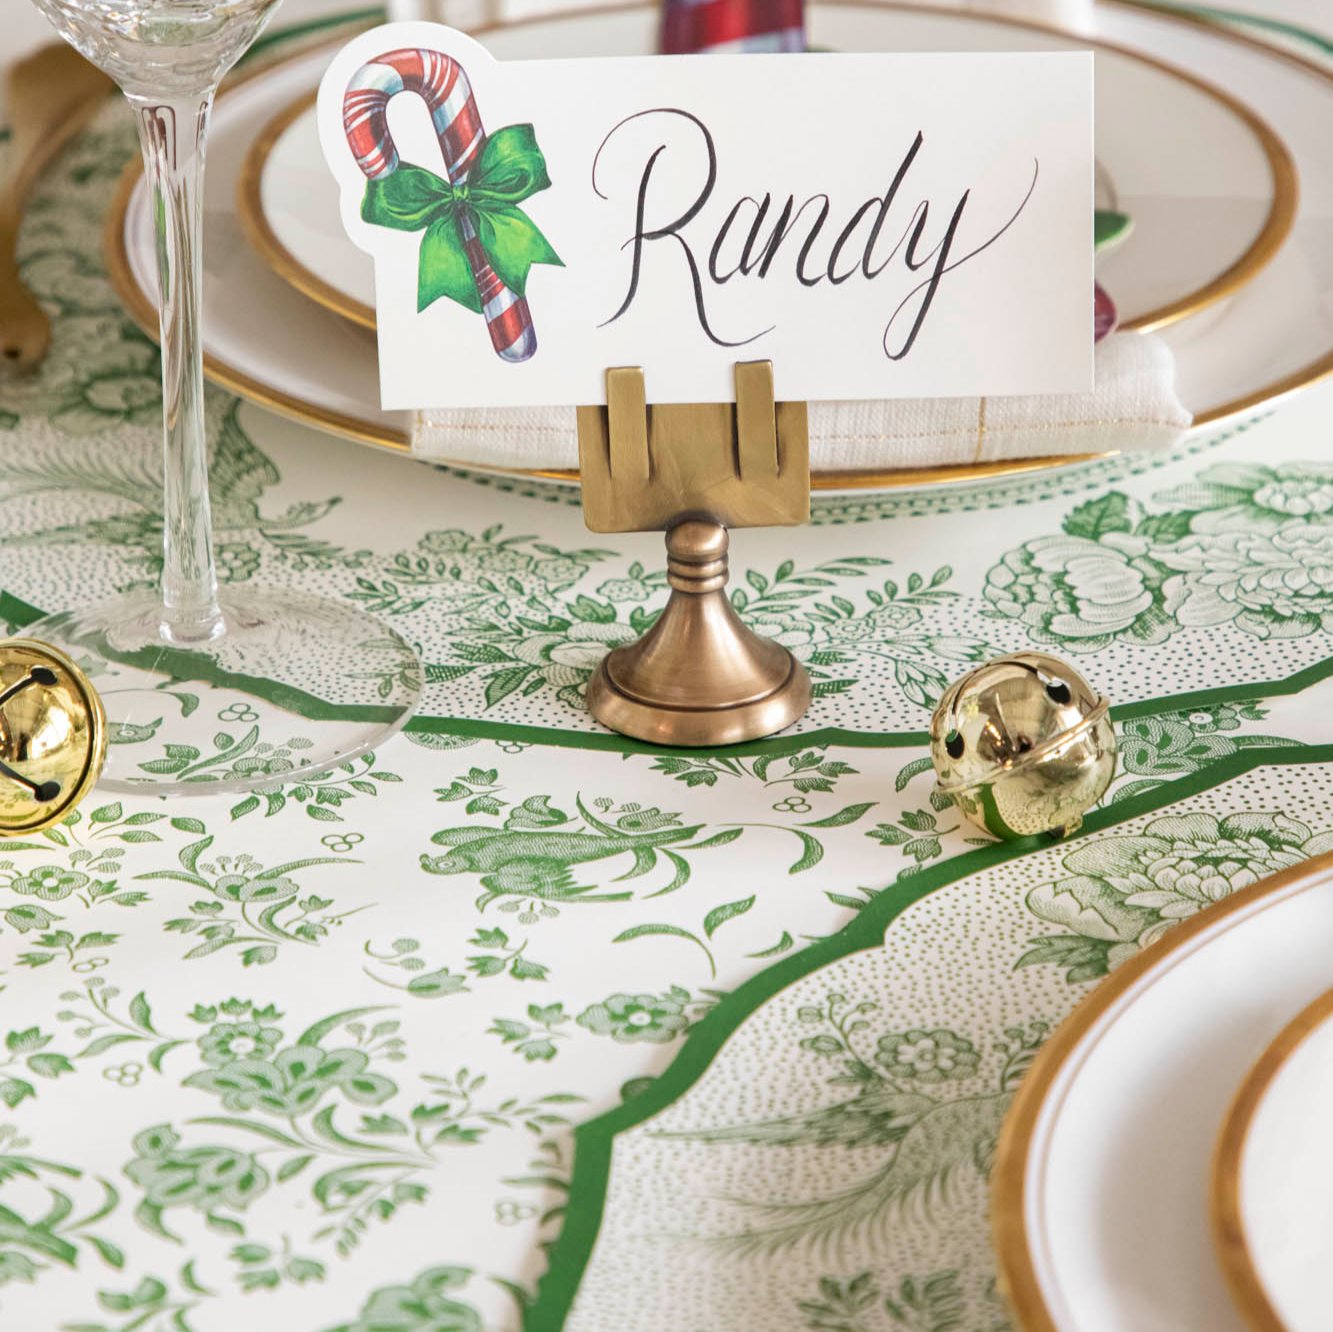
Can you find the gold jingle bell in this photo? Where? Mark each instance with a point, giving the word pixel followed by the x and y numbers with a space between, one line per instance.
pixel 1023 745
pixel 52 736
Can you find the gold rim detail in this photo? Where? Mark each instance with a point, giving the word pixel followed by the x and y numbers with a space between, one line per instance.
pixel 142 310
pixel 1242 1276
pixel 1261 250
pixel 1009 1232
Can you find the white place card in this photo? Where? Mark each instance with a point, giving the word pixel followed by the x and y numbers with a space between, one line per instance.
pixel 877 226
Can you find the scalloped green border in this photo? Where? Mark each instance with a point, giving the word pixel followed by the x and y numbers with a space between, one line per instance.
pixel 23 614
pixel 594 1140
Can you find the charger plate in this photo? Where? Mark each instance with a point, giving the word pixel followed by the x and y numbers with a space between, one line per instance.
pixel 267 342
pixel 1273 1181
pixel 1100 1187
pixel 1207 184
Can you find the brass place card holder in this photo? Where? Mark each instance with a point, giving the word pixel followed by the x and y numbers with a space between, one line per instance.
pixel 698 677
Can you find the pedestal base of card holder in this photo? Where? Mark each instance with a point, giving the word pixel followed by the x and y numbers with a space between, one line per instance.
pixel 698 677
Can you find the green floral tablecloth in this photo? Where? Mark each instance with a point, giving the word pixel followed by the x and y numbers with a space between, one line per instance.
pixel 516 1023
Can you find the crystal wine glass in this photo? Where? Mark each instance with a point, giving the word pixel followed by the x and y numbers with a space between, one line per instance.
pixel 207 690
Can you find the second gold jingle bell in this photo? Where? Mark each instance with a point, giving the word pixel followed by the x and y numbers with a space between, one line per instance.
pixel 1023 745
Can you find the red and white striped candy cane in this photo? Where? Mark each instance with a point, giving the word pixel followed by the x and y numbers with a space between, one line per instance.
pixel 440 81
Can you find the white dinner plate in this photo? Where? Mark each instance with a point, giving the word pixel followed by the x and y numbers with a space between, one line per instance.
pixel 1273 1181
pixel 268 342
pixel 1209 189
pixel 1101 1181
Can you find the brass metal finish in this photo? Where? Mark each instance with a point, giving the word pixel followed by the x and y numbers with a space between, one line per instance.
pixel 699 676
pixel 745 464
pixel 1023 745
pixel 52 94
pixel 52 736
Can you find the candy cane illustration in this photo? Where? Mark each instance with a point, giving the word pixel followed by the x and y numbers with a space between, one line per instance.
pixel 441 82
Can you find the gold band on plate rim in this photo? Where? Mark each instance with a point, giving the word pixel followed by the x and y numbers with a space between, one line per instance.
pixel 1238 1266
pixel 142 310
pixel 1009 1231
pixel 1261 250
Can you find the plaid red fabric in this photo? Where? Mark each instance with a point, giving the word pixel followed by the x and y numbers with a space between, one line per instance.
pixel 732 25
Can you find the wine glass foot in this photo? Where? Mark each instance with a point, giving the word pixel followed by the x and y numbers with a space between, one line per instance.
pixel 292 686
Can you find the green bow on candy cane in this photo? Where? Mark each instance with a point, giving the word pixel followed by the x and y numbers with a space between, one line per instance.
pixel 511 168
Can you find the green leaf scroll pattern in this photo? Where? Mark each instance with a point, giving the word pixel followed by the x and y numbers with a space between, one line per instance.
pixel 316 1111
pixel 945 1300
pixel 1123 892
pixel 655 1019
pixel 48 1210
pixel 239 474
pixel 528 864
pixel 74 867
pixel 525 622
pixel 1159 749
pixel 930 1099
pixel 1243 545
pixel 502 957
pixel 807 772
pixel 433 1299
pixel 321 796
pixel 251 907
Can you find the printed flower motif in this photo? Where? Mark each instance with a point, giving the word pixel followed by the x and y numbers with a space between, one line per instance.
pixel 625 589
pixel 133 398
pixel 1083 594
pixel 940 1055
pixel 1168 746
pixel 639 1017
pixel 429 1304
pixel 894 617
pixel 586 643
pixel 1224 717
pixel 1268 494
pixel 259 888
pixel 270 765
pixel 559 570
pixel 637 820
pixel 1270 582
pixel 504 561
pixel 202 1177
pixel 565 659
pixel 531 876
pixel 51 883
pixel 226 1042
pixel 452 541
pixel 236 561
pixel 789 628
pixel 294 1081
pixel 1124 892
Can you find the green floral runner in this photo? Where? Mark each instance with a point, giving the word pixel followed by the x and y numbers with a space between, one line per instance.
pixel 372 1051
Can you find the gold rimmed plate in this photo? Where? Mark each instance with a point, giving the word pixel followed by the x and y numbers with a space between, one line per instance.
pixel 1208 185
pixel 1272 1188
pixel 1100 1189
pixel 270 343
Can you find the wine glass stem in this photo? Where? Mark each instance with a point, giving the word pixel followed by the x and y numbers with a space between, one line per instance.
pixel 172 133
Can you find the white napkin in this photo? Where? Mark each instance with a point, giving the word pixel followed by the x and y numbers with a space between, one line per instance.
pixel 1134 407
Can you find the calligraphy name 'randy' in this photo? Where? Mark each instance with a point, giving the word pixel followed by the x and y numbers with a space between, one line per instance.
pixel 755 233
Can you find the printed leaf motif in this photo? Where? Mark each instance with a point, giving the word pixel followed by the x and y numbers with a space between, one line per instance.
pixel 720 915
pixel 1110 513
